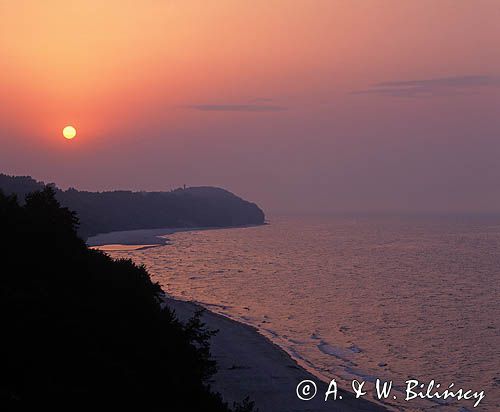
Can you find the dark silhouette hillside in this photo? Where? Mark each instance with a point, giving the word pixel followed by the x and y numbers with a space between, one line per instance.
pixel 79 328
pixel 101 212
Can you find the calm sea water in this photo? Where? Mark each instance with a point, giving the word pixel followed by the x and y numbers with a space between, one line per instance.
pixel 355 298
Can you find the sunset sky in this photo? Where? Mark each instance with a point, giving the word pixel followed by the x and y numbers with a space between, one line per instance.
pixel 298 105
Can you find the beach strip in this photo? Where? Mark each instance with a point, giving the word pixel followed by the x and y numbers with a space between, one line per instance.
pixel 249 364
pixel 147 237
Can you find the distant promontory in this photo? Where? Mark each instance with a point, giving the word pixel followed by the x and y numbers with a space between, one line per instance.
pixel 101 212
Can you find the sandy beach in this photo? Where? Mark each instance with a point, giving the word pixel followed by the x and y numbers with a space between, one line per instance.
pixel 140 237
pixel 250 365
pixel 144 238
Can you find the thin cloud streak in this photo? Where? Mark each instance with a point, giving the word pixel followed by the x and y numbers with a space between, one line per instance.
pixel 238 107
pixel 443 86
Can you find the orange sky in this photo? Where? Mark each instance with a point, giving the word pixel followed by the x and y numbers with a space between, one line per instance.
pixel 241 78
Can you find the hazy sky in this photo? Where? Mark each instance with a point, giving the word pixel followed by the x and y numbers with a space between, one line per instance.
pixel 298 105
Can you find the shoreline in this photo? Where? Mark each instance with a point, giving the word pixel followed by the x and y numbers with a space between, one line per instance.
pixel 250 364
pixel 147 238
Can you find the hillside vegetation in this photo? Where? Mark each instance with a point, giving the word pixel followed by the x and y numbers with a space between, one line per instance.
pixel 101 212
pixel 80 328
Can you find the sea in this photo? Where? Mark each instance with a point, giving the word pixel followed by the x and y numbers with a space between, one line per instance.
pixel 355 298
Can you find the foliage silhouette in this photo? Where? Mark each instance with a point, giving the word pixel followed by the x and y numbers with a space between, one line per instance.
pixel 80 328
pixel 101 212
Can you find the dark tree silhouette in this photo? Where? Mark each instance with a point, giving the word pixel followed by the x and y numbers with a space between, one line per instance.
pixel 79 328
pixel 101 212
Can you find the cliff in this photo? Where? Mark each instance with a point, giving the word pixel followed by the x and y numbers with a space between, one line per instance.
pixel 101 212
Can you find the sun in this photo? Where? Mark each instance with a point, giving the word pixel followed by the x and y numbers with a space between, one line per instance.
pixel 69 132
